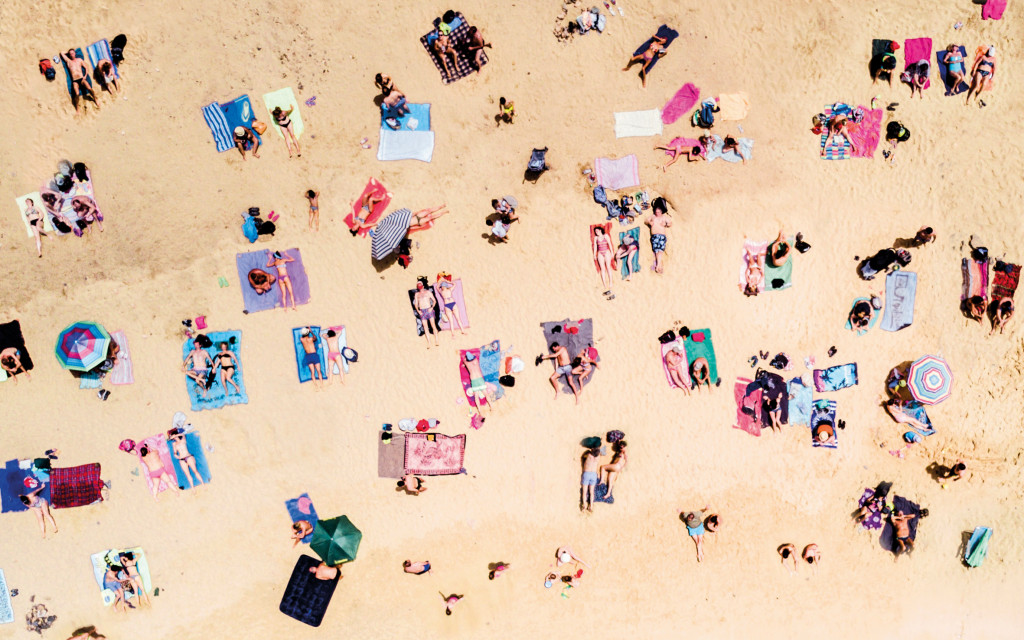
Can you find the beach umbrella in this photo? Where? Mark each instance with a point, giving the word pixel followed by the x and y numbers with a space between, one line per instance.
pixel 82 346
pixel 930 381
pixel 389 233
pixel 336 540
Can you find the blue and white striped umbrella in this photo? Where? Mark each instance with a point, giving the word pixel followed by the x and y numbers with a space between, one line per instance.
pixel 389 232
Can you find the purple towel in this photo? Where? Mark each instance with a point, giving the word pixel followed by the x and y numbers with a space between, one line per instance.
pixel 680 103
pixel 254 302
pixel 873 521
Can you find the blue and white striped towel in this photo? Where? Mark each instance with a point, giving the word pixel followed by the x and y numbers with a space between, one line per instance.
pixel 214 116
pixel 101 51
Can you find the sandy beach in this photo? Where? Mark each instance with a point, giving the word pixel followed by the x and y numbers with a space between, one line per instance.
pixel 172 206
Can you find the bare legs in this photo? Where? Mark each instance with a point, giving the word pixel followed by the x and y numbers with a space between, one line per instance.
pixel 427 324
pixel 572 385
pixel 341 369
pixel 604 261
pixel 424 218
pixel 42 514
pixel 286 288
pixel 225 380
pixel 290 140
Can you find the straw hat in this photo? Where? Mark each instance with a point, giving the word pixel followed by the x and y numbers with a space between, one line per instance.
pixel 239 131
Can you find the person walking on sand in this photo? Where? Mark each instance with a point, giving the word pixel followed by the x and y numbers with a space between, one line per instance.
pixel 446 288
pixel 694 521
pixel 812 556
pixel 314 209
pixel 156 471
pixel 280 260
pixel 334 357
pixel 311 359
pixel 79 71
pixel 588 479
pixel 477 384
pixel 284 121
pixel 425 303
pixel 659 221
pixel 788 552
pixel 40 507
pixel 563 367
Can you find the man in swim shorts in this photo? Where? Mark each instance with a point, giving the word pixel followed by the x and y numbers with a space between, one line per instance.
pixel 425 302
pixel 901 522
pixel 563 367
pixel 309 343
pixel 694 521
pixel 477 384
pixel 588 481
pixel 659 222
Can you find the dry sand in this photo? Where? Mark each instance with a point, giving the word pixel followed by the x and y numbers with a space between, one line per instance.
pixel 221 555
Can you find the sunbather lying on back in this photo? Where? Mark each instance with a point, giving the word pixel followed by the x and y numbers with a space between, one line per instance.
pixel 900 415
pixel 675 363
pixel 653 51
pixel 445 51
pixel 837 126
pixel 754 275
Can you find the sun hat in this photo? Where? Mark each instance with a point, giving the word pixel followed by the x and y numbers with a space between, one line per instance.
pixel 127 445
pixel 239 131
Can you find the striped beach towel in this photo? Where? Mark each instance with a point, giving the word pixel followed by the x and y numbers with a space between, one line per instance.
pixel 101 51
pixel 389 232
pixel 214 116
pixel 123 372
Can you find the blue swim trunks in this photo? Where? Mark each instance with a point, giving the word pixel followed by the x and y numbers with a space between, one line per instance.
pixel 658 242
pixel 310 359
pixel 696 531
pixel 589 479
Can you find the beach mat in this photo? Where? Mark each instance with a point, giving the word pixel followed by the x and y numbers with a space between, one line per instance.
pixel 635 124
pixel 665 348
pixel 6 611
pixel 974 553
pixel 239 112
pixel 184 475
pixel 871 322
pixel 993 10
pixel 747 394
pixel 391 457
pixel 460 305
pixel 664 31
pixel 800 397
pixel 252 301
pixel 417 118
pixel 306 597
pixel 900 292
pixel 377 189
pixel 574 342
pixel 943 68
pixel 123 372
pixel 434 454
pixel 617 174
pixel 405 145
pixel 100 50
pixel 875 519
pixel 699 345
pixel 37 202
pixel 680 103
pixel 10 336
pixel 915 50
pixel 75 486
pixel 835 378
pixel 422 328
pixel 99 568
pixel 714 151
pixel 626 265
pixel 285 99
pixel 12 483
pixel 779 278
pixel 302 508
pixel 975 273
pixel 733 106
pixel 215 395
pixel 824 411
pixel 458 38
pixel 888 538
pixel 1005 278
pixel 758 249
pixel 300 353
pixel 866 135
pixel 223 137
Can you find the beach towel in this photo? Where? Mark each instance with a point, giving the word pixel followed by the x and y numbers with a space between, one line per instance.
pixel 37 202
pixel 67 72
pixel 302 508
pixel 993 10
pixel 679 343
pixel 218 124
pixel 733 106
pixel 90 379
pixel 699 345
pixel 874 520
pixel 252 301
pixel 900 292
pixel 865 134
pixel 300 353
pixel 417 118
pixel 627 266
pixel 915 50
pixel 186 479
pixel 632 124
pixel 748 406
pixel 680 103
pixel 835 378
pixel 19 476
pixel 778 278
pixel 489 356
pixel 824 411
pixel 607 227
pixel 888 538
pixel 156 443
pixel 714 151
pixel 757 249
pixel 460 305
pixel 123 371
pixel 974 553
pixel 306 597
pixel 458 37
pixel 6 611
pixel 617 174
pixel 574 335
pixel 434 454
pixel 377 189
pixel 75 486
pixel 10 337
pixel 285 99
pixel 421 326
pixel 774 388
pixel 216 396
pixel 100 561
pixel 800 402
pixel 100 50
pixel 405 145
pixel 664 31
pixel 943 68
pixel 917 411
pixel 871 322
pixel 1005 278
pixel 879 46
pixel 239 113
pixel 391 457
pixel 975 273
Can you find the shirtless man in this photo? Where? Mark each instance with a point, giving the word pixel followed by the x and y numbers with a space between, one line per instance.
pixel 588 480
pixel 324 572
pixel 10 360
pixel 79 71
pixel 129 561
pixel 334 356
pixel 901 522
pixel 563 367
pixel 280 260
pixel 477 384
pixel 309 343
pixel 659 222
pixel 156 471
pixel 701 373
pixel 202 363
pixel 412 484
pixel 179 447
pixel 675 363
pixel 424 301
pixel 447 290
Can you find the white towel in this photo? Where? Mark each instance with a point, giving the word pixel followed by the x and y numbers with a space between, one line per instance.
pixel 638 123
pixel 405 145
pixel 37 202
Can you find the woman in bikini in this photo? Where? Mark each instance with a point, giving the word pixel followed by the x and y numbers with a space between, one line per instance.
pixel 424 218
pixel 279 260
pixel 653 51
pixel 334 356
pixel 837 126
pixel 446 51
pixel 314 209
pixel 446 289
pixel 201 366
pixel 35 220
pixel 613 468
pixel 227 363
pixel 956 72
pixel 129 562
pixel 283 120
pixel 187 461
pixel 675 363
pixel 245 139
pixel 982 73
pixel 604 254
pixel 754 275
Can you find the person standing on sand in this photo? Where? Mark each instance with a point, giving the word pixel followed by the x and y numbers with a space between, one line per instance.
pixel 694 521
pixel 588 480
pixel 563 367
pixel 659 221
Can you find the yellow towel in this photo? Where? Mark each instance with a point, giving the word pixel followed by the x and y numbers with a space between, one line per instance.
pixel 734 106
pixel 285 99
pixel 37 201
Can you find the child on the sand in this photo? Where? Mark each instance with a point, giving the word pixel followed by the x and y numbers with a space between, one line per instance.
pixel 314 209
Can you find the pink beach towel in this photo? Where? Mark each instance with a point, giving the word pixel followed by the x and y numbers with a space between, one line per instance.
pixel 434 454
pixel 665 348
pixel 377 189
pixel 759 249
pixel 159 444
pixel 867 132
pixel 748 408
pixel 464 377
pixel 123 372
pixel 680 103
pixel 617 174
pixel 993 10
pixel 915 50
pixel 460 305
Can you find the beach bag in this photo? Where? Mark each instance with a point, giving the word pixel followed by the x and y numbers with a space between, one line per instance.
pixel 667 337
pixel 249 229
pixel 599 195
pixel 117 46
pixel 614 436
pixel 507 381
pixel 259 127
pixel 46 68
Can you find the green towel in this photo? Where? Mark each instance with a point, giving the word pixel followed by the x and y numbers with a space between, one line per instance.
pixel 624 266
pixel 784 273
pixel 976 553
pixel 702 349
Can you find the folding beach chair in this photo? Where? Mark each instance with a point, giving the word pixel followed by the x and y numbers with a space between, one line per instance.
pixel 537 165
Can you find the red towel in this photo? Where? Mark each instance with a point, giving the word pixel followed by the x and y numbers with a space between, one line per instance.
pixel 75 486
pixel 1004 283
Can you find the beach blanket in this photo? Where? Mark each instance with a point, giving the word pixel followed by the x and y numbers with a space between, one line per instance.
pixel 239 112
pixel 123 371
pixel 460 305
pixel 306 598
pixel 757 249
pixel 778 278
pixel 631 124
pixel 100 562
pixel 391 457
pixel 19 476
pixel 733 106
pixel 377 189
pixel 405 145
pixel 216 397
pixel 974 552
pixel 774 388
pixel 285 99
pixel 874 520
pixel 800 398
pixel 459 38
pixel 975 273
pixel 714 151
pixel 422 327
pixel 871 322
pixel 75 486
pixel 67 72
pixel 993 10
pixel 10 337
pixel 917 411
pixel 625 267
pixel 699 345
pixel 1005 278
pixel 434 454
pixel 100 50
pixel 252 301
pixel 302 508
pixel 6 611
pixel 900 292
pixel 824 411
pixel 574 335
pixel 943 68
pixel 223 137
pixel 607 227
pixel 156 443
pixel 300 353
pixel 748 406
pixel 879 46
pixel 835 378
pixel 888 538
pixel 617 174
pixel 417 118
pixel 680 103
pixel 679 343
pixel 915 50
pixel 865 134
pixel 489 356
pixel 37 202
pixel 664 31
pixel 186 479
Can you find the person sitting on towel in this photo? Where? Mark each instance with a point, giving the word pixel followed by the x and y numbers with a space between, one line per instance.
pixel 837 126
pixel 300 529
pixel 413 485
pixel 261 281
pixel 1001 314
pixel 862 313
pixel 701 373
pixel 325 572
pixel 245 139
pixel 730 143
pixel 779 250
pixel 975 307
pixel 884 62
pixel 10 360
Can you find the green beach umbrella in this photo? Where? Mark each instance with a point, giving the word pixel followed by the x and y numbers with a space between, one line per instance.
pixel 336 540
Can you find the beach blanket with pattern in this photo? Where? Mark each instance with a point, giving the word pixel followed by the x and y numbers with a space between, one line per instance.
pixel 865 134
pixel 434 454
pixel 1005 278
pixel 459 38
pixel 75 486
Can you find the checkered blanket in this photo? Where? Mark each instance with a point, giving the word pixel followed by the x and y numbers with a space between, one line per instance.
pixel 75 486
pixel 459 38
